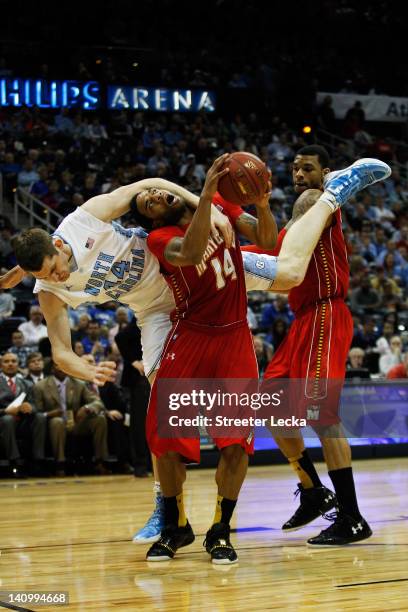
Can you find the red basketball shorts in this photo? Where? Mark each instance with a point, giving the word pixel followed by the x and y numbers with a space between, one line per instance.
pixel 194 353
pixel 314 355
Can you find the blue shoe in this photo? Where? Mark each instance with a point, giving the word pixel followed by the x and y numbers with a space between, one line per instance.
pixel 152 530
pixel 344 184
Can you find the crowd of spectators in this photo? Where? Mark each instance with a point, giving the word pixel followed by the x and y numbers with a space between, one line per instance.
pixel 65 157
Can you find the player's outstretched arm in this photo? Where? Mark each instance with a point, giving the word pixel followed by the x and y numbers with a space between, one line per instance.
pixel 59 333
pixel 110 206
pixel 12 278
pixel 189 250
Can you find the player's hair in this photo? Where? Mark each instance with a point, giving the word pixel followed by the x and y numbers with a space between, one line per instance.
pixel 31 247
pixel 140 219
pixel 321 152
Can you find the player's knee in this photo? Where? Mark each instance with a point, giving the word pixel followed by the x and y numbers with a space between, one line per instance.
pixel 232 454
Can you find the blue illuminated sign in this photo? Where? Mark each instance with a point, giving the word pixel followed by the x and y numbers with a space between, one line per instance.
pixel 89 96
pixel 147 98
pixel 49 94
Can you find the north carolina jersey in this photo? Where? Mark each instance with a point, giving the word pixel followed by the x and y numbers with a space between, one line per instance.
pixel 109 262
pixel 213 292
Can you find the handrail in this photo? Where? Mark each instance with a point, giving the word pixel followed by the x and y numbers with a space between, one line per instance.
pixel 29 204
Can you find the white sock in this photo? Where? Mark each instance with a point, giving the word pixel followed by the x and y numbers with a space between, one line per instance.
pixel 156 488
pixel 329 199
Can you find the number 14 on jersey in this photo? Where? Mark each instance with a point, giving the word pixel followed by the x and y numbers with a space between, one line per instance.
pixel 223 270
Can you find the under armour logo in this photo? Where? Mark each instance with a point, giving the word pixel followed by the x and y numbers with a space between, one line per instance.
pixel 313 413
pixel 358 528
pixel 68 287
pixel 171 356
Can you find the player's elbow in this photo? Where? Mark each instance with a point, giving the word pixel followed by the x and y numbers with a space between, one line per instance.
pixel 294 278
pixel 291 274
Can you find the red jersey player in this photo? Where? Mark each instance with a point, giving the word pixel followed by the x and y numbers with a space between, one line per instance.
pixel 315 350
pixel 209 330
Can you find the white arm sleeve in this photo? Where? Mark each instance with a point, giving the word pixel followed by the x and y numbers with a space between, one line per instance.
pixel 260 271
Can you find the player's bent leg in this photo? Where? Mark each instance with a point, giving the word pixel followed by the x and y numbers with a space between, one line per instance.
pixel 349 526
pixel 315 499
pixel 230 475
pixel 177 531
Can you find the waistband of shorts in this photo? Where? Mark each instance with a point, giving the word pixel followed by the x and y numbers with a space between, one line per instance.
pixel 310 307
pixel 212 330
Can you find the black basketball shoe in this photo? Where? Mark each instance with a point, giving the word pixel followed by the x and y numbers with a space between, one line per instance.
pixel 171 539
pixel 218 545
pixel 344 530
pixel 314 502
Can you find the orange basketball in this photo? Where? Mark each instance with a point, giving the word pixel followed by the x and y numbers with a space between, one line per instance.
pixel 246 181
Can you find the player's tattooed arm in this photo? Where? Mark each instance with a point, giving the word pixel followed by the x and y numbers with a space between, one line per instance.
pixel 304 202
pixel 262 231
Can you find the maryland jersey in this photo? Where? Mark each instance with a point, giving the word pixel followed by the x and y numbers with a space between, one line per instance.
pixel 109 263
pixel 328 273
pixel 213 292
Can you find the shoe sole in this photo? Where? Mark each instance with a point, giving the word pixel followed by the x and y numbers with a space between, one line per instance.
pixel 361 162
pixel 223 561
pixel 308 522
pixel 309 545
pixel 158 559
pixel 150 540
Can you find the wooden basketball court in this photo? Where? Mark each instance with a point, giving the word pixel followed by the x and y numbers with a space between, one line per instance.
pixel 74 535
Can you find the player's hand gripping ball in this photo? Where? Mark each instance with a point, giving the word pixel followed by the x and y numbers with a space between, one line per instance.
pixel 247 181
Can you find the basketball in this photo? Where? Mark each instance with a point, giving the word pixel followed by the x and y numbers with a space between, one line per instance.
pixel 246 181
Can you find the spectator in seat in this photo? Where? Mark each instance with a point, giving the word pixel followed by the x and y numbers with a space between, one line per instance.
pixel 79 332
pixel 135 381
pixel 383 343
pixel 6 305
pixel 28 175
pixel 399 371
pixel 34 329
pixel 19 348
pixel 71 408
pixel 365 298
pixel 122 320
pixel 279 308
pixel 94 343
pixel 22 419
pixel 263 352
pixel 35 366
pixel 355 366
pixel 392 357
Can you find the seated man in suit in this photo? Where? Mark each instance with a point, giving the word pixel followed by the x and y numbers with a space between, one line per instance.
pixel 35 366
pixel 71 407
pixel 19 417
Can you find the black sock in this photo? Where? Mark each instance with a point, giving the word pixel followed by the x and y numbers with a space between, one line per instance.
pixel 174 511
pixel 224 509
pixel 307 466
pixel 343 483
